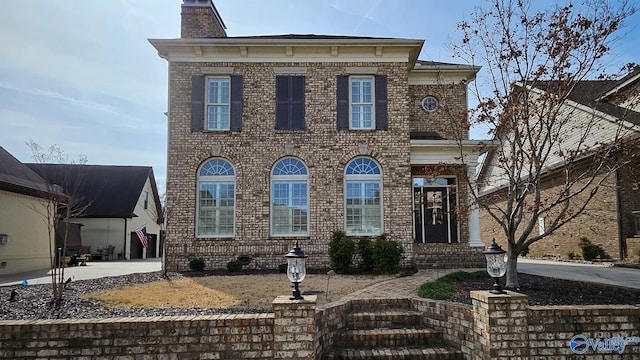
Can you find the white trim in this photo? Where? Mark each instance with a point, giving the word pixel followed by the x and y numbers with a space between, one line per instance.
pixel 207 103
pixel 362 177
pixel 285 178
pixel 225 179
pixel 618 87
pixel 425 152
pixel 268 50
pixel 457 193
pixel 373 102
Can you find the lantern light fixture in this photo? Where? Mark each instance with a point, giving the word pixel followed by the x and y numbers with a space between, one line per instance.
pixel 296 269
pixel 496 265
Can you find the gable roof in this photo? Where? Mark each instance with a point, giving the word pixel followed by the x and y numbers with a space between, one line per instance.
pixel 19 178
pixel 590 93
pixel 107 191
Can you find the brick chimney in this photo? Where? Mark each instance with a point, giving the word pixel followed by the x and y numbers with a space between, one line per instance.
pixel 200 19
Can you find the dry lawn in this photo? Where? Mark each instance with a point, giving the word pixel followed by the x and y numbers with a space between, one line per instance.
pixel 254 291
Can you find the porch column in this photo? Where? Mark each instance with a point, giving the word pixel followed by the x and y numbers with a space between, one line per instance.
pixel 474 209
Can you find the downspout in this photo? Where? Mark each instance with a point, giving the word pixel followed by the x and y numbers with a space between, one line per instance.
pixel 124 247
pixel 619 216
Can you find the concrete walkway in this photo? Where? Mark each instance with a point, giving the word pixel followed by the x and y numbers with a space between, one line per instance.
pixel 596 273
pixel 93 270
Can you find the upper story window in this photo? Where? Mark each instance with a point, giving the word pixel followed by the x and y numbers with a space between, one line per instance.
pixel 363 197
pixel 361 95
pixel 216 199
pixel 145 200
pixel 218 103
pixel 289 102
pixel 362 102
pixel 289 198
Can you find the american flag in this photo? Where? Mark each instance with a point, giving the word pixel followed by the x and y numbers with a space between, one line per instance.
pixel 142 235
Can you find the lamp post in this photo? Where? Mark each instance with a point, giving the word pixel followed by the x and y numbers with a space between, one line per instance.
pixel 296 269
pixel 496 266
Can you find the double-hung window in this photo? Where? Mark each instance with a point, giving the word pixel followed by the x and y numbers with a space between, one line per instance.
pixel 362 102
pixel 218 102
pixel 363 197
pixel 216 199
pixel 289 198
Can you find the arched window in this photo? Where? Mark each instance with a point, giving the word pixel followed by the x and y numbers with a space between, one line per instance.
pixel 363 197
pixel 216 199
pixel 289 198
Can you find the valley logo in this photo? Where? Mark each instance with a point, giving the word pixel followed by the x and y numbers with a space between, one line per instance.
pixel 580 344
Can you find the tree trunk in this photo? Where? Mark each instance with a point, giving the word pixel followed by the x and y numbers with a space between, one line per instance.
pixel 512 270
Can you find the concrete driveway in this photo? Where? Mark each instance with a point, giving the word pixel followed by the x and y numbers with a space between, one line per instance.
pixel 93 270
pixel 603 274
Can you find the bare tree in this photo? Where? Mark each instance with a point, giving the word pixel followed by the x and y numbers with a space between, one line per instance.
pixel 61 205
pixel 552 154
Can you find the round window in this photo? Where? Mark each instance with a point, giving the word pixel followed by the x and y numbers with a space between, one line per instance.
pixel 429 104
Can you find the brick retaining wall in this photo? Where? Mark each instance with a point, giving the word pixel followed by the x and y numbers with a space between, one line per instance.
pixel 495 327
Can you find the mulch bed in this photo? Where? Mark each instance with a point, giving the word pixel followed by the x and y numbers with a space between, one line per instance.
pixel 548 291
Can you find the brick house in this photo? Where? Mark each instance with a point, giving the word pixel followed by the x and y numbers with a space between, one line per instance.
pixel 612 218
pixel 274 139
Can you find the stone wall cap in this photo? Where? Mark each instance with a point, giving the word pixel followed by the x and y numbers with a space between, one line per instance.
pixel 284 299
pixel 486 296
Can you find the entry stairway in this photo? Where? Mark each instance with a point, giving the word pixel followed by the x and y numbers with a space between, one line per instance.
pixel 372 332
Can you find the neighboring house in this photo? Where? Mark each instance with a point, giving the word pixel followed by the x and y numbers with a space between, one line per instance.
pixel 24 232
pixel 279 138
pixel 612 219
pixel 113 202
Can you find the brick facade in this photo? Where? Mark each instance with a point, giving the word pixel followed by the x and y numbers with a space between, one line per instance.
pixel 598 223
pixel 452 101
pixel 321 146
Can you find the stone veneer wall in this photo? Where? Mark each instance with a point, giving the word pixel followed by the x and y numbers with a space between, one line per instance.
pixel 494 327
pixel 255 149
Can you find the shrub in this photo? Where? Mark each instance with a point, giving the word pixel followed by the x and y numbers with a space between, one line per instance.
pixel 341 251
pixel 365 251
pixel 234 266
pixel 437 290
pixel 197 264
pixel 282 268
pixel 573 256
pixel 589 250
pixel 444 287
pixel 386 254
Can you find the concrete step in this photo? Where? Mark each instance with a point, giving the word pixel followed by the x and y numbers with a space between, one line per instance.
pixel 391 353
pixel 381 337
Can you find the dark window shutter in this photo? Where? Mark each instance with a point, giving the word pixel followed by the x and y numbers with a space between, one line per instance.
pixel 381 102
pixel 297 103
pixel 342 94
pixel 197 103
pixel 236 103
pixel 282 102
pixel 289 102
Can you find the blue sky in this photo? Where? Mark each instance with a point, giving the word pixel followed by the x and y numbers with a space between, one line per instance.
pixel 82 75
